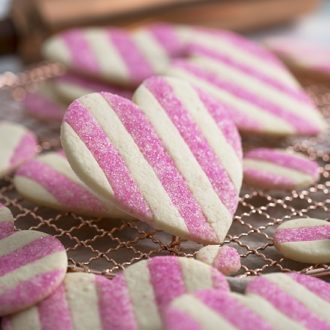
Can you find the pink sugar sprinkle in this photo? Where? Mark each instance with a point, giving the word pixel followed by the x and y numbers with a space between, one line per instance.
pixel 6 228
pixel 227 260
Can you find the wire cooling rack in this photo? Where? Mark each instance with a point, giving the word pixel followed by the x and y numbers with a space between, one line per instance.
pixel 105 246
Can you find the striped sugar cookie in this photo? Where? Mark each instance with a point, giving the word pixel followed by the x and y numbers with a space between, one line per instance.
pixel 212 309
pixel 305 240
pixel 279 169
pixel 109 54
pixel 174 162
pixel 226 259
pixel 6 222
pixel 32 266
pixel 301 298
pixel 71 86
pixel 254 105
pixel 42 103
pixel 17 145
pixel 48 180
pixel 137 298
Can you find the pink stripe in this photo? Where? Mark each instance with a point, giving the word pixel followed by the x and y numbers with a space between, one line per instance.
pixel 82 56
pixel 221 115
pixel 179 320
pixel 6 228
pixel 68 193
pixel 25 149
pixel 301 125
pixel 115 306
pixel 42 107
pixel 288 305
pixel 54 312
pixel 218 280
pixel 276 84
pixel 166 279
pixel 301 234
pixel 319 287
pixel 125 189
pixel 197 143
pixel 35 250
pixel 283 158
pixel 30 292
pixel 154 152
pixel 232 310
pixel 227 260
pixel 136 63
pixel 6 323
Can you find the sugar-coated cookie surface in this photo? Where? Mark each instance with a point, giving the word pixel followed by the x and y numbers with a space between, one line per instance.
pixel 303 299
pixel 224 258
pixel 32 266
pixel 279 169
pixel 48 180
pixel 17 145
pixel 72 86
pixel 173 162
pixel 305 240
pixel 110 54
pixel 43 103
pixel 6 222
pixel 211 309
pixel 79 303
pixel 137 297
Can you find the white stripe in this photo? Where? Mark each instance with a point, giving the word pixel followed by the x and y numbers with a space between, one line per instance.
pixel 208 254
pixel 166 215
pixel 5 214
pixel 216 213
pixel 267 121
pixel 142 295
pixel 51 262
pixel 55 49
pixel 83 301
pixel 69 91
pixel 27 320
pixel 226 155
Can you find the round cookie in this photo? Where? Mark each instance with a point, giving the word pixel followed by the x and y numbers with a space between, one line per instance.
pixel 6 222
pixel 173 161
pixel 79 303
pixel 48 180
pixel 258 105
pixel 226 259
pixel 305 240
pixel 32 266
pixel 71 86
pixel 44 104
pixel 279 169
pixel 17 145
pixel 88 50
pixel 303 299
pixel 137 297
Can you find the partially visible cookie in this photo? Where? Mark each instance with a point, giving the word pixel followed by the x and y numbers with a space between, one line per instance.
pixel 17 145
pixel 48 180
pixel 6 222
pixel 224 258
pixel 279 169
pixel 305 240
pixel 32 266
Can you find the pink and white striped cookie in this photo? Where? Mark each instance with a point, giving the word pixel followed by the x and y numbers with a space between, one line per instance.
pixel 305 240
pixel 6 222
pixel 71 86
pixel 32 266
pixel 212 309
pixel 109 54
pixel 79 303
pixel 258 103
pixel 44 104
pixel 303 299
pixel 226 259
pixel 139 295
pixel 48 180
pixel 279 169
pixel 17 145
pixel 174 162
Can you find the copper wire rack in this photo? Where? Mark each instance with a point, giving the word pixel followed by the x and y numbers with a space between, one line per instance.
pixel 105 246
